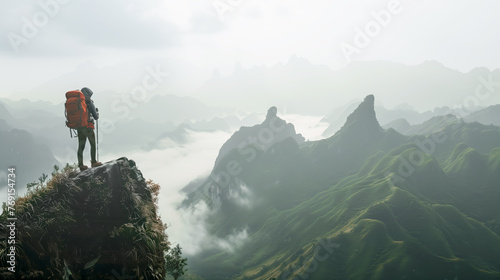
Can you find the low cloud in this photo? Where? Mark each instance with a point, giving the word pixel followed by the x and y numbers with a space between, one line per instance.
pixel 311 127
pixel 242 195
pixel 232 241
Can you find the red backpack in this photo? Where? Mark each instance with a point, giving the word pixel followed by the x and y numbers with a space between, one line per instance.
pixel 76 110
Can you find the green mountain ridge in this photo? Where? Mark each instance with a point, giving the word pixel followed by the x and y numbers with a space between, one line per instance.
pixel 430 126
pixel 370 210
pixel 366 203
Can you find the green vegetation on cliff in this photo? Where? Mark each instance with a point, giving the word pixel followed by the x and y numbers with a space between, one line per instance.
pixel 98 224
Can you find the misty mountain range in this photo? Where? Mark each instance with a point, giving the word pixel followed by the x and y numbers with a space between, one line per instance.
pixel 365 203
pixel 20 148
pixel 169 116
pixel 250 140
pixel 314 89
pixel 393 201
pixel 308 88
pixel 388 193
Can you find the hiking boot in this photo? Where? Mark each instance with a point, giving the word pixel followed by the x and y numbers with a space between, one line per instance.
pixel 83 167
pixel 97 163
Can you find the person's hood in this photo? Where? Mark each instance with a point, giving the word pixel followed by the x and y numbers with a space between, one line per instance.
pixel 87 92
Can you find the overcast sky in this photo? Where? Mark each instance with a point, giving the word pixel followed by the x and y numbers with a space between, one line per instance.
pixel 43 39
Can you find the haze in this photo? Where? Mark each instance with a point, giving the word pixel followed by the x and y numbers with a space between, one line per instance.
pixel 192 39
pixel 234 61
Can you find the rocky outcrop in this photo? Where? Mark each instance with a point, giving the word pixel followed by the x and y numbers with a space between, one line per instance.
pixel 97 224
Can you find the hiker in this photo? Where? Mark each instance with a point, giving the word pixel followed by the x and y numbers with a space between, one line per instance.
pixel 87 132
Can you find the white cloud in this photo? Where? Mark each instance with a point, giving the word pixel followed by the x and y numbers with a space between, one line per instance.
pixel 232 241
pixel 242 195
pixel 311 127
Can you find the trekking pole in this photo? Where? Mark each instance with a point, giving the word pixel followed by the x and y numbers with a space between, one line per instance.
pixel 97 125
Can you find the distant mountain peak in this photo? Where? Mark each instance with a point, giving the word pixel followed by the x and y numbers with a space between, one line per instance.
pixel 371 99
pixel 364 117
pixel 273 127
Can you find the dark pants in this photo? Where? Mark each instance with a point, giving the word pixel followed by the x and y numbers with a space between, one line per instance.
pixel 85 133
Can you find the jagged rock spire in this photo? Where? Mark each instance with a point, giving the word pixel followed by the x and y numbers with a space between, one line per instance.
pixel 364 117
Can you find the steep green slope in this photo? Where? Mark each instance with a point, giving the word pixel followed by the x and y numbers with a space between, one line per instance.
pixel 375 231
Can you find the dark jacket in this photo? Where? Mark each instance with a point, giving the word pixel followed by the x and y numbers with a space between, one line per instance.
pixel 93 114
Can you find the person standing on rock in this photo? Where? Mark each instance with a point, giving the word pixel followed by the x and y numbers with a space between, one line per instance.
pixel 85 133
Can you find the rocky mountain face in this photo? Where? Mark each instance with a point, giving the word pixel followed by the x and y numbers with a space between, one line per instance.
pixel 261 136
pixel 97 224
